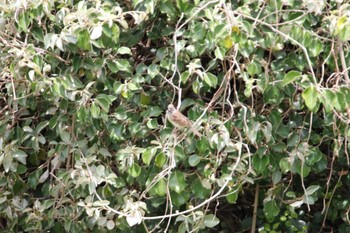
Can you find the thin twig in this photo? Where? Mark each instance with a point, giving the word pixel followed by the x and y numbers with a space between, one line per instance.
pixel 255 210
pixel 342 61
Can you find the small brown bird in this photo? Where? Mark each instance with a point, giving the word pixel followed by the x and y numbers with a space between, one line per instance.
pixel 179 120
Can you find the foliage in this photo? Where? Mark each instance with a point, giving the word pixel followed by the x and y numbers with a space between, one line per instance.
pixel 85 145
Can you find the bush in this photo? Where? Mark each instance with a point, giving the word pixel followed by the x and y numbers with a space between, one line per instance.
pixel 85 144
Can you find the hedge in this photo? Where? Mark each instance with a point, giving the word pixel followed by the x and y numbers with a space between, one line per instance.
pixel 86 144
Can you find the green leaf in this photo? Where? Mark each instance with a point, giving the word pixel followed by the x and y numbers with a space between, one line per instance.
pixel 220 30
pixel 119 65
pixel 148 154
pixel 182 5
pixel 202 145
pixel 33 179
pixel 179 199
pixel 135 128
pixel 313 157
pixel 193 160
pixel 103 104
pixel 342 29
pixel 145 99
pixel 50 40
pixel 260 164
pixel 211 220
pixel 153 70
pixel 84 40
pixel 104 101
pixel 316 48
pixel 161 187
pixel 273 95
pixel 96 32
pixel 196 85
pixel 18 187
pixel 199 190
pixel 285 165
pixel 310 95
pixel 210 79
pixel 160 159
pixel 341 102
pixel 104 152
pixel 81 114
pixel 112 65
pixel 7 162
pixel 232 197
pixel 100 203
pixel 278 147
pixel 27 129
pixel 133 86
pixel 20 155
pixel 306 38
pixel 185 76
pixel 123 65
pixel 134 170
pixel 115 33
pixel 253 131
pixel 65 136
pixel 267 129
pixel 346 92
pixel 276 176
pixel 283 131
pixel 95 110
pixel 293 139
pixel 177 182
pixel 327 100
pixel 152 123
pixel 198 32
pixel 112 32
pixel 124 50
pixel 220 53
pixel 291 76
pixel 311 189
pixel 333 100
pixel 77 61
pixel 155 111
pixel 42 125
pixel 254 68
pixel 44 176
pixel 120 113
pixel 247 48
pixel 302 169
pixel 168 8
pixel 38 34
pixel 271 210
pixel 24 21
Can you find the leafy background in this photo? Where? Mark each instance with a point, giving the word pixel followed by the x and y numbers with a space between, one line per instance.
pixel 85 145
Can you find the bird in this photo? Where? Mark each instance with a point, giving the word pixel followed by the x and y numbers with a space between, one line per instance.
pixel 179 120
